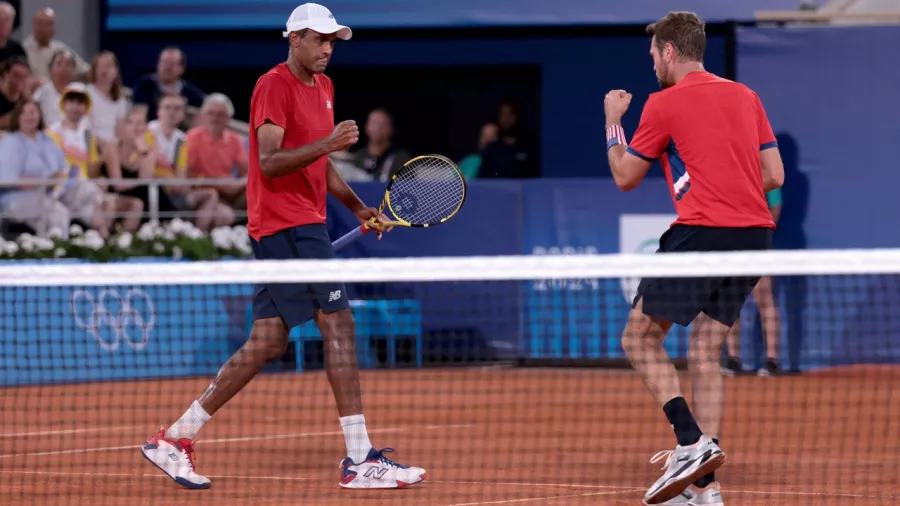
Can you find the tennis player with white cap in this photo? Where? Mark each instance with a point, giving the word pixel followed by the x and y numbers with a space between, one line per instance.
pixel 292 132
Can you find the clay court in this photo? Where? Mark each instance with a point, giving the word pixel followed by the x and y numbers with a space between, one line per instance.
pixel 485 436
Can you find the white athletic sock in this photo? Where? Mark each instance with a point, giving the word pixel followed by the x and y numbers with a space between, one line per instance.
pixel 189 424
pixel 356 437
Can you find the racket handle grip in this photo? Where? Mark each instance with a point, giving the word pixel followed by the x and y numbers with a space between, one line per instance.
pixel 349 237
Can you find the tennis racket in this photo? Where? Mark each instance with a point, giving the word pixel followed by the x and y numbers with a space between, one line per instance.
pixel 427 191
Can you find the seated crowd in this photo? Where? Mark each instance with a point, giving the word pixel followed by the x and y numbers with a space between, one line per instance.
pixel 66 127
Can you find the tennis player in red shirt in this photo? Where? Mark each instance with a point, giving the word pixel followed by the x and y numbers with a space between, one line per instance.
pixel 292 132
pixel 719 156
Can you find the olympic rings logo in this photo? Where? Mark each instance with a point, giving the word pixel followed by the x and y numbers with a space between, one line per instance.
pixel 112 310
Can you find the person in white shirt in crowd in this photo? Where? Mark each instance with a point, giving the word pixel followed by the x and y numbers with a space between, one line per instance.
pixel 87 201
pixel 62 74
pixel 108 103
pixel 29 157
pixel 41 46
pixel 172 162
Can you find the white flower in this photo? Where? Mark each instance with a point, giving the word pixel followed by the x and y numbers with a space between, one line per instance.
pixel 159 248
pixel 221 238
pixel 178 225
pixel 43 244
pixel 93 240
pixel 123 241
pixel 26 242
pixel 177 253
pixel 75 230
pixel 146 232
pixel 195 233
pixel 245 249
pixel 11 248
pixel 59 253
pixel 55 233
pixel 168 235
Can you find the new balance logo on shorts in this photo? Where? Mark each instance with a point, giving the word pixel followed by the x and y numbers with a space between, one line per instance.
pixel 376 472
pixel 333 296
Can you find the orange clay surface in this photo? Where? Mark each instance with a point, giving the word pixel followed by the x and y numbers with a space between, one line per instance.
pixel 485 436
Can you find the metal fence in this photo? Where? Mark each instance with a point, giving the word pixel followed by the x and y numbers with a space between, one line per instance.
pixel 154 188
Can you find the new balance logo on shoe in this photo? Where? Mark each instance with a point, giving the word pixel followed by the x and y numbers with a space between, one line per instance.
pixel 333 296
pixel 376 472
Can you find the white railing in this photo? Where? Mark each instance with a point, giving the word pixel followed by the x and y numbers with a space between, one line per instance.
pixel 839 12
pixel 153 190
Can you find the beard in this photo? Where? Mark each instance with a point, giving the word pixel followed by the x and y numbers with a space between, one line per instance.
pixel 660 77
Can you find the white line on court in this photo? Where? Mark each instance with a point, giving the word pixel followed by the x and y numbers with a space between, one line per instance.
pixel 529 484
pixel 67 431
pixel 632 488
pixel 533 499
pixel 269 437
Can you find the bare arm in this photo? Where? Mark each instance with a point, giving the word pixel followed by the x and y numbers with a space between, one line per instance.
pixel 4 121
pixel 339 188
pixel 772 169
pixel 276 161
pixel 627 170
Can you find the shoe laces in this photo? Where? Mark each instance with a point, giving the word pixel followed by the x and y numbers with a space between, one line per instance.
pixel 188 448
pixel 384 460
pixel 669 455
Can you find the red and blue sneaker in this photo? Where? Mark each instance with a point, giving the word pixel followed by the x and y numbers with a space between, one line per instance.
pixel 378 471
pixel 175 458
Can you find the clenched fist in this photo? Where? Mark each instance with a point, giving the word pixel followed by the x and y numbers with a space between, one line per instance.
pixel 615 105
pixel 345 134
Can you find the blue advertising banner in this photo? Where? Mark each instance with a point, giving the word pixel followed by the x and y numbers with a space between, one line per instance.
pixel 271 14
pixel 78 334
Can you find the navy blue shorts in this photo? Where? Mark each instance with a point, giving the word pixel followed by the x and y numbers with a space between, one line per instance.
pixel 680 300
pixel 296 303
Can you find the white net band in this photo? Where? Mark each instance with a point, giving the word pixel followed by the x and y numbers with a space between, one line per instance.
pixel 494 268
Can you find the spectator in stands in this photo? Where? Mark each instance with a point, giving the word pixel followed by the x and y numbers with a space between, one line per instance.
pixel 41 47
pixel 379 157
pixel 8 47
pixel 108 104
pixel 29 156
pixel 136 151
pixel 216 152
pixel 470 165
pixel 90 204
pixel 62 73
pixel 14 74
pixel 511 155
pixel 172 162
pixel 168 79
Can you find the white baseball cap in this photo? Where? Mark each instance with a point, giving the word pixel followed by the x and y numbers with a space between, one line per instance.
pixel 317 18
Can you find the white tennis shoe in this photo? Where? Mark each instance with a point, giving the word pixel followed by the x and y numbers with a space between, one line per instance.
pixel 683 466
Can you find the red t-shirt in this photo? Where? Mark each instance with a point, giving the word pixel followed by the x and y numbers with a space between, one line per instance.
pixel 307 115
pixel 709 132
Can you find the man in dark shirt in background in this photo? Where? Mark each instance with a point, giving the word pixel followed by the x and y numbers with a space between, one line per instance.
pixel 168 79
pixel 513 154
pixel 14 74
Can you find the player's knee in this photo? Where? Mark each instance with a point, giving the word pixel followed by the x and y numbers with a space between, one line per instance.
pixel 268 339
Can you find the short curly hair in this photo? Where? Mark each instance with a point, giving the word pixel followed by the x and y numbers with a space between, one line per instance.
pixel 684 30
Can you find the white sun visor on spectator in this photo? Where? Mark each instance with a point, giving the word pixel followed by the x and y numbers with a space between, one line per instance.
pixel 317 18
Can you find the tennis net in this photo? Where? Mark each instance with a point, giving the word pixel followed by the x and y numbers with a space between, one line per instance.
pixel 452 350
